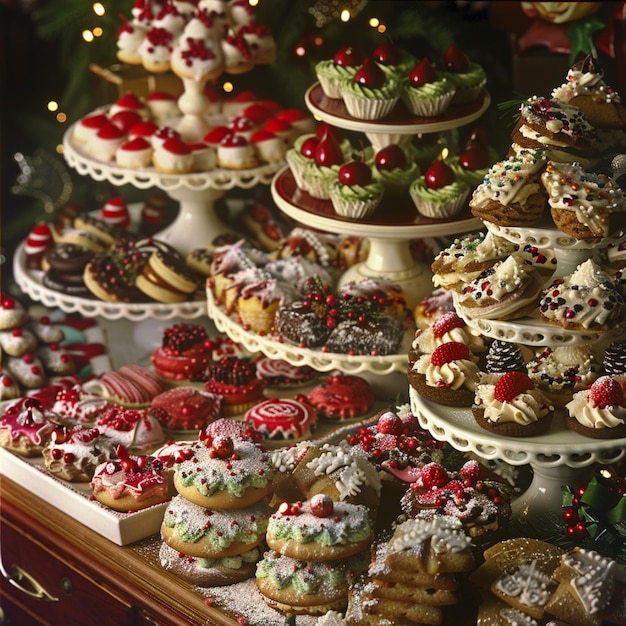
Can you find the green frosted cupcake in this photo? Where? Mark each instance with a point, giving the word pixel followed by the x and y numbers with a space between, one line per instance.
pixel 438 194
pixel 370 94
pixel 395 169
pixel 355 193
pixel 426 92
pixel 468 77
pixel 343 66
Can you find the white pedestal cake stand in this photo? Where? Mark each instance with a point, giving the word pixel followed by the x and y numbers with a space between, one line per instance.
pixel 559 457
pixel 196 223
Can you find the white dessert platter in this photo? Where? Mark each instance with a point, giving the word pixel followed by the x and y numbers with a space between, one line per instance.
pixel 389 233
pixel 400 124
pixel 559 457
pixel 30 282
pixel 321 361
pixel 196 223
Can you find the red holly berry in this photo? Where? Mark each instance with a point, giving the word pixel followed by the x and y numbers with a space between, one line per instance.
pixel 433 475
pixel 606 391
pixel 472 471
pixel 511 385
pixel 448 352
pixel 446 322
pixel 321 505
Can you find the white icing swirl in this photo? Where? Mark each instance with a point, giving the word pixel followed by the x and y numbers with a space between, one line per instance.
pixel 508 181
pixel 445 533
pixel 454 375
pixel 525 408
pixel 591 416
pixel 527 583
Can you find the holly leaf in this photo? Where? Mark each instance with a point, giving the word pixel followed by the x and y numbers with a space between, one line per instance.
pixel 580 35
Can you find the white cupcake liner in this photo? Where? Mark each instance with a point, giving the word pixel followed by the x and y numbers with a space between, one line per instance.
pixel 297 168
pixel 368 108
pixel 352 208
pixel 439 210
pixel 427 106
pixel 330 86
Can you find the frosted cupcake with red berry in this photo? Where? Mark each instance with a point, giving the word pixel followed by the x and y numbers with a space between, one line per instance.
pixel 446 376
pixel 396 169
pixel 344 65
pixel 511 405
pixel 370 94
pixel 425 92
pixel 468 77
pixel 355 193
pixel 600 411
pixel 323 168
pixel 438 194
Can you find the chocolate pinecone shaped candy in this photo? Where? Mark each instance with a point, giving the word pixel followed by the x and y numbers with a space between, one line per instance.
pixel 504 356
pixel 615 358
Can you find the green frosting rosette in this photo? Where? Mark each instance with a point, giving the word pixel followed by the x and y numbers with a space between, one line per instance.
pixel 356 201
pixel 370 104
pixel 429 100
pixel 467 84
pixel 440 203
pixel 331 75
pixel 397 181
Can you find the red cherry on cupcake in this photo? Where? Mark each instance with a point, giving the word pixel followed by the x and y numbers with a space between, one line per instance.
pixel 438 175
pixel 348 57
pixel 355 173
pixel 370 75
pixel 390 158
pixel 455 60
pixel 328 151
pixel 321 505
pixel 476 157
pixel 422 74
pixel 387 54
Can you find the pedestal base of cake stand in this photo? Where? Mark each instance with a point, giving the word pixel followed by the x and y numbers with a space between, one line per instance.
pixel 196 223
pixel 392 260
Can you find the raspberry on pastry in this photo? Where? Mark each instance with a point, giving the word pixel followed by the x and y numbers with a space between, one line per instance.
pixel 600 410
pixel 447 376
pixel 511 405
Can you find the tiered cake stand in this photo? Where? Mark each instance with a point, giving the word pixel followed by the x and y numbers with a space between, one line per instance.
pixel 391 228
pixel 560 457
pixel 194 227
pixel 197 192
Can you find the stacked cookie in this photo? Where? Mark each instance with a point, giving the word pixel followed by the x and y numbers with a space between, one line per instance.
pixel 317 549
pixel 414 577
pixel 212 528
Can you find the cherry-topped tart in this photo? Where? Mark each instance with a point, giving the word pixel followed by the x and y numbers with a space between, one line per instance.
pixel 330 72
pixel 439 193
pixel 395 169
pixel 356 193
pixel 426 92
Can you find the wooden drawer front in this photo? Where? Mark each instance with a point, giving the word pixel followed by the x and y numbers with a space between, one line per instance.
pixel 79 599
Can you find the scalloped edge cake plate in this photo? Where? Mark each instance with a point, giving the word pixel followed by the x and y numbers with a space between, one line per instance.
pixel 318 360
pixel 400 120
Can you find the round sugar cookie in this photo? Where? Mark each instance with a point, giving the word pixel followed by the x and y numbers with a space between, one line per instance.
pixel 319 529
pixel 214 534
pixel 205 572
pixel 224 472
